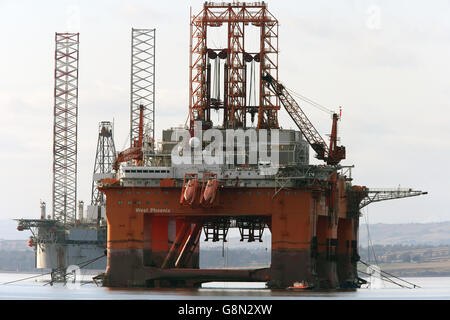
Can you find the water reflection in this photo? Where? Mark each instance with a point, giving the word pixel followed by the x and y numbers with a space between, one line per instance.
pixel 431 288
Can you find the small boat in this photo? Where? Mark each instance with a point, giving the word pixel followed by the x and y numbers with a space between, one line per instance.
pixel 300 285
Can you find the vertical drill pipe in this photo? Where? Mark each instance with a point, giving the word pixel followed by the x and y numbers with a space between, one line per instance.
pixel 225 95
pixel 208 92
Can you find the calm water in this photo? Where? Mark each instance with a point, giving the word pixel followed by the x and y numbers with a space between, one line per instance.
pixel 431 289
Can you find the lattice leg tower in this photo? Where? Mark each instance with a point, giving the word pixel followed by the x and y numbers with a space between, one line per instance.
pixel 142 81
pixel 269 104
pixel 197 71
pixel 236 73
pixel 104 159
pixel 65 128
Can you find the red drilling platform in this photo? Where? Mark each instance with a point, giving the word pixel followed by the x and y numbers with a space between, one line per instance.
pixel 157 209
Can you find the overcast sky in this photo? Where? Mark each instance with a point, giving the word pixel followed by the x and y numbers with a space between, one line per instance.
pixel 386 62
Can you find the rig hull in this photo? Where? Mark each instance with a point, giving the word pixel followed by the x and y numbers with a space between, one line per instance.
pixel 148 229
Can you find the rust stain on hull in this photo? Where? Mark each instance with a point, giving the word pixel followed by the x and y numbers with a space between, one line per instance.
pixel 148 229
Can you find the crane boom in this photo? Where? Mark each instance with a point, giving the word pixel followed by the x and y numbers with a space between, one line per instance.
pixel 331 155
pixel 135 151
pixel 377 195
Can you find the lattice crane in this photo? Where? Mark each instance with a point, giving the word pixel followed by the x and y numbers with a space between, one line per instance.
pixel 377 195
pixel 331 154
pixel 135 151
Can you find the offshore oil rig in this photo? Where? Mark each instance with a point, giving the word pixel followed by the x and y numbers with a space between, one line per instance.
pixel 69 236
pixel 242 171
pixel 199 179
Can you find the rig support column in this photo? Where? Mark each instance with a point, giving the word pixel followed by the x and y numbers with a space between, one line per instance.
pixel 347 252
pixel 291 229
pixel 327 252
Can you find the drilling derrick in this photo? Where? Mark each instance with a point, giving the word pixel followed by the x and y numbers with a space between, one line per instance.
pixel 236 17
pixel 104 160
pixel 65 128
pixel 142 82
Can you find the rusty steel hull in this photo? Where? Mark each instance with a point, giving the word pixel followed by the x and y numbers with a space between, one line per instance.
pixel 150 232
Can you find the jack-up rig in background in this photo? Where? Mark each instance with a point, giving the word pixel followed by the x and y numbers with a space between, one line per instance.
pixel 156 209
pixel 67 236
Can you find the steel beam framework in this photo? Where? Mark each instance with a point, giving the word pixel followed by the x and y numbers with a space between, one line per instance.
pixel 377 195
pixel 65 127
pixel 236 70
pixel 269 104
pixel 237 16
pixel 142 81
pixel 104 159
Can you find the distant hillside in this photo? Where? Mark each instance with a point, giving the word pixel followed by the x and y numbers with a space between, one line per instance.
pixel 402 249
pixel 14 245
pixel 8 231
pixel 433 234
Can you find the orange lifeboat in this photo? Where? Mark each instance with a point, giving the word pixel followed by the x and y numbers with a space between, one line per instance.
pixel 189 191
pixel 209 189
pixel 31 242
pixel 209 195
